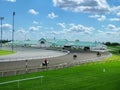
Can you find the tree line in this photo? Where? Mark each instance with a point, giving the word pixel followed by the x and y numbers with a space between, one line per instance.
pixel 112 44
pixel 5 41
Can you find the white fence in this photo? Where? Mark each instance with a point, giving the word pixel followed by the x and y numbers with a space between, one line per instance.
pixel 20 80
pixel 36 69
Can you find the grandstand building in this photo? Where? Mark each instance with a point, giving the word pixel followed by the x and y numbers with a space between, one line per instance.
pixel 60 43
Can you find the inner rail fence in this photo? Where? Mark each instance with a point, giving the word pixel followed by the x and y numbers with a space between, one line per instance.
pixel 20 80
pixel 43 68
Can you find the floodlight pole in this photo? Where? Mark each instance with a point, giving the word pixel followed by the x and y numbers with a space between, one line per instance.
pixel 13 32
pixel 1 18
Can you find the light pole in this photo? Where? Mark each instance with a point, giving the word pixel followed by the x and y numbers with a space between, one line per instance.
pixel 13 32
pixel 1 18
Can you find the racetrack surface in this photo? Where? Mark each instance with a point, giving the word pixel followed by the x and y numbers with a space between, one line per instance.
pixel 29 54
pixel 55 60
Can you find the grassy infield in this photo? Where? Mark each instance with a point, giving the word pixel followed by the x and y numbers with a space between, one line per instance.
pixel 104 75
pixel 5 52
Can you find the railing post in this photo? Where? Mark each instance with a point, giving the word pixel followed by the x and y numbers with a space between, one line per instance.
pixel 2 74
pixel 26 66
pixel 15 72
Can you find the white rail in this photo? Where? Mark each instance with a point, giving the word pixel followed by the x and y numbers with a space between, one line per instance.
pixel 21 80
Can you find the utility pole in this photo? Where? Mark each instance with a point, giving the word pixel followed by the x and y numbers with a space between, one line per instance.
pixel 13 32
pixel 1 18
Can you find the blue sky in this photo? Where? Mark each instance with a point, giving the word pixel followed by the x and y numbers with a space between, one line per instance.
pixel 86 20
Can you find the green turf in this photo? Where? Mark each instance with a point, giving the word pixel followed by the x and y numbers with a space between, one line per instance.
pixel 114 49
pixel 102 75
pixel 5 52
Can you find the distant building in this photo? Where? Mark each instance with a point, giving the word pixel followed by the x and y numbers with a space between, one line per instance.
pixel 76 44
pixel 60 43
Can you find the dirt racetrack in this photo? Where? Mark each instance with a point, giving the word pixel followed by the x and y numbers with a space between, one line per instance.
pixel 84 56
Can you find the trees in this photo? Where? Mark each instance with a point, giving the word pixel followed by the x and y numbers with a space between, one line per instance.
pixel 5 41
pixel 112 43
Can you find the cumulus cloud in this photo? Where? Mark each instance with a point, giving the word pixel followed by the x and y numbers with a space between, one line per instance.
pixel 35 22
pixel 98 17
pixel 11 0
pixel 23 31
pixel 63 32
pixel 94 16
pixel 114 19
pixel 102 18
pixel 109 30
pixel 80 29
pixel 34 28
pixel 55 32
pixel 87 6
pixel 100 31
pixel 6 26
pixel 32 11
pixel 52 15
pixel 117 18
pixel 74 29
pixel 62 25
pixel 111 33
pixel 118 14
pixel 115 9
pixel 113 27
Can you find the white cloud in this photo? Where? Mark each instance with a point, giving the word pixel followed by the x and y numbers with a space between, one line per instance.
pixel 94 16
pixel 118 14
pixel 115 9
pixel 11 0
pixel 23 31
pixel 114 19
pixel 87 6
pixel 74 29
pixel 98 17
pixel 100 31
pixel 62 25
pixel 52 15
pixel 34 28
pixel 85 32
pixel 111 33
pixel 35 22
pixel 6 26
pixel 62 32
pixel 22 34
pixel 81 29
pixel 55 32
pixel 113 27
pixel 111 30
pixel 102 18
pixel 102 26
pixel 32 11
